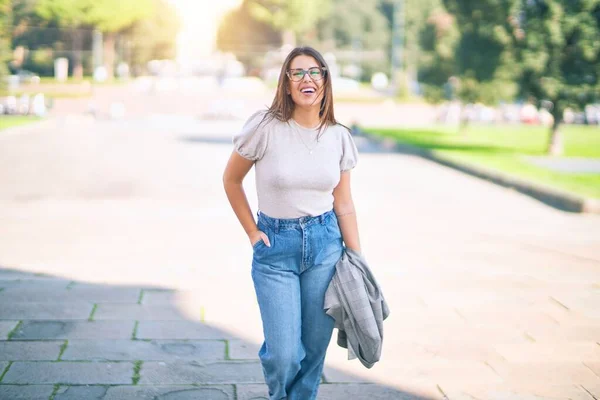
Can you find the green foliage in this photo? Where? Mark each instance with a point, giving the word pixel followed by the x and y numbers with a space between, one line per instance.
pixel 69 13
pixel 559 49
pixel 5 18
pixel 115 15
pixel 438 38
pixel 40 61
pixel 358 25
pixel 105 15
pixel 154 37
pixel 243 35
pixel 296 17
pixel 483 55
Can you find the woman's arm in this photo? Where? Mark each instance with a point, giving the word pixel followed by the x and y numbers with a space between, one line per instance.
pixel 236 170
pixel 344 209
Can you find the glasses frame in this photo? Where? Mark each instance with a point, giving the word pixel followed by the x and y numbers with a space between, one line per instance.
pixel 306 71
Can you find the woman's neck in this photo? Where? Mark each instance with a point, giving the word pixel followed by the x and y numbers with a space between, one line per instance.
pixel 306 118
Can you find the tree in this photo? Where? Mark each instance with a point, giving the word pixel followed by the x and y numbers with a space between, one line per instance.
pixel 71 15
pixel 485 62
pixel 153 38
pixel 112 16
pixel 245 36
pixel 357 25
pixel 5 13
pixel 416 20
pixel 438 39
pixel 560 52
pixel 292 18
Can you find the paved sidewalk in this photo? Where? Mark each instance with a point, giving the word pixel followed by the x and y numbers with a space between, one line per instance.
pixel 124 271
pixel 62 339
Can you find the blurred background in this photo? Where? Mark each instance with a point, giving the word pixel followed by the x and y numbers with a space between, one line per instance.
pixel 116 119
pixel 395 64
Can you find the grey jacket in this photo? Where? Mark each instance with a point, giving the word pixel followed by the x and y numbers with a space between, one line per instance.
pixel 355 301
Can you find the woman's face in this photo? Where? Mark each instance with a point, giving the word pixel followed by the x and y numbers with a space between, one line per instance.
pixel 307 92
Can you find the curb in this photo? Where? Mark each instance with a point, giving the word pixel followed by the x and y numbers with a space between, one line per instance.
pixel 559 199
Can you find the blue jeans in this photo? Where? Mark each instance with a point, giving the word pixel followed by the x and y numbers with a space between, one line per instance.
pixel 290 279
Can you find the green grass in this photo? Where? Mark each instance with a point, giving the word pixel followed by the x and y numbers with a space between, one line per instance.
pixel 137 367
pixel 502 148
pixel 70 80
pixel 7 121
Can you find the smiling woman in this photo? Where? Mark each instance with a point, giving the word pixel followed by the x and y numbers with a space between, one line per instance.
pixel 200 20
pixel 302 158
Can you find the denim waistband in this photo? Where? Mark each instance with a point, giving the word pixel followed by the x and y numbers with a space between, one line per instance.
pixel 289 223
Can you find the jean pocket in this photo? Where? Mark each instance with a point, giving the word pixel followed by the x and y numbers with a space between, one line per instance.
pixel 258 244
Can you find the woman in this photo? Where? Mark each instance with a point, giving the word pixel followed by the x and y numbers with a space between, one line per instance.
pixel 303 159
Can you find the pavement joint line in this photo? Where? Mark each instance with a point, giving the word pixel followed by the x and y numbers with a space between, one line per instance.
pixel 439 388
pixel 557 322
pixel 141 296
pixel 63 347
pixel 14 330
pixel 91 317
pixel 137 367
pixel 588 367
pixel 55 391
pixel 135 329
pixel 529 337
pixel 588 392
pixel 76 361
pixel 70 285
pixel 227 356
pixel 235 394
pixel 492 368
pixel 457 311
pixel 5 370
pixel 559 303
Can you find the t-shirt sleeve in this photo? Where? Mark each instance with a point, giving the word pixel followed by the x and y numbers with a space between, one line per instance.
pixel 349 152
pixel 251 142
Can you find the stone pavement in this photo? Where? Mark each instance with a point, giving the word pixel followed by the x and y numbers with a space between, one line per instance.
pixel 64 339
pixel 125 274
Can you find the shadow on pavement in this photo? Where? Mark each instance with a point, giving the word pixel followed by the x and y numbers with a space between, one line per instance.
pixel 62 339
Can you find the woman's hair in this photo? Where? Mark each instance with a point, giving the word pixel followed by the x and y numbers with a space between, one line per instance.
pixel 283 104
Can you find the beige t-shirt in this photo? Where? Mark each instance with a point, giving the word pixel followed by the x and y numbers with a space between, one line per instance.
pixel 295 173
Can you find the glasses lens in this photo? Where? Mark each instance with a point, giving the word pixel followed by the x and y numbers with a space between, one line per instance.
pixel 296 74
pixel 316 73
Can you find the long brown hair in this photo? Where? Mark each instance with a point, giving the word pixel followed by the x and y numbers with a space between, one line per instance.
pixel 283 105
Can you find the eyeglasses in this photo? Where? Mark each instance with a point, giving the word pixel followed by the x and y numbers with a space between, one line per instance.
pixel 316 73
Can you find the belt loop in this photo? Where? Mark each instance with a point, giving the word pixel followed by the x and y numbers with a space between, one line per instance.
pixel 277 225
pixel 322 218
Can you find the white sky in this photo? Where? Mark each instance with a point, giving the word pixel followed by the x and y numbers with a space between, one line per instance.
pixel 200 20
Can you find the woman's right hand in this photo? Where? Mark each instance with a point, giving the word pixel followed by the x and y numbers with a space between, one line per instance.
pixel 256 236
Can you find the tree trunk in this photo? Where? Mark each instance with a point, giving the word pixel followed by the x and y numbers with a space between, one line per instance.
pixel 77 44
pixel 555 144
pixel 109 54
pixel 288 37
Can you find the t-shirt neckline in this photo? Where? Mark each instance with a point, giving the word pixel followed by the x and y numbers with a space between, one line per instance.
pixel 303 127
